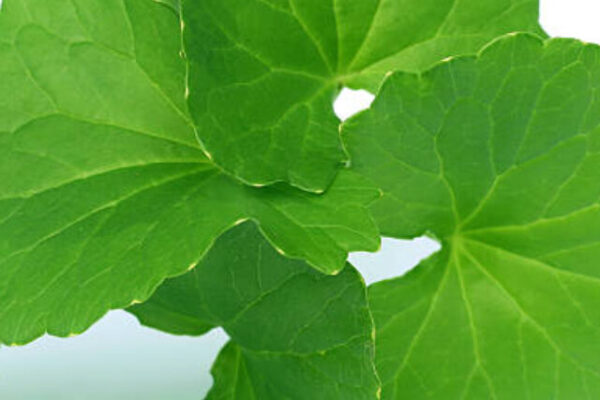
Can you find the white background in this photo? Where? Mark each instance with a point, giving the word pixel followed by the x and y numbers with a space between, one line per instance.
pixel 118 359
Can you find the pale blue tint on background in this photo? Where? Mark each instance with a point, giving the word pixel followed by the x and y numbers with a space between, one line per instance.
pixel 116 359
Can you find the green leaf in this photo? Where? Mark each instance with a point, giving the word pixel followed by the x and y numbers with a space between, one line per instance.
pixel 104 190
pixel 263 73
pixel 230 375
pixel 295 333
pixel 498 156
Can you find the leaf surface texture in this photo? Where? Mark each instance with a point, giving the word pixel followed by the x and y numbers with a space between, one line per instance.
pixel 104 189
pixel 497 156
pixel 295 333
pixel 263 73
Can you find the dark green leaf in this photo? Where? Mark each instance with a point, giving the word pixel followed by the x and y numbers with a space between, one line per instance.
pixel 296 333
pixel 263 73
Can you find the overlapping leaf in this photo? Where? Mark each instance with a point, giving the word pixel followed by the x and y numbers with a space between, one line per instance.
pixel 104 191
pixel 295 333
pixel 498 156
pixel 263 73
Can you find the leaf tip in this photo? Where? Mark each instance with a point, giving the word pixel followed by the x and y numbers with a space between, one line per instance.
pixel 206 152
pixel 279 250
pixel 240 221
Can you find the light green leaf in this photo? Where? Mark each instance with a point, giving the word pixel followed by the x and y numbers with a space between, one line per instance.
pixel 296 333
pixel 263 73
pixel 498 156
pixel 104 191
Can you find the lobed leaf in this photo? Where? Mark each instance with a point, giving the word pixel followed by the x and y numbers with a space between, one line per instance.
pixel 263 73
pixel 497 156
pixel 104 190
pixel 295 333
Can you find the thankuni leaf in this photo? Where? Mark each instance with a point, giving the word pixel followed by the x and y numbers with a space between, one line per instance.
pixel 109 186
pixel 498 157
pixel 104 190
pixel 263 73
pixel 295 333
